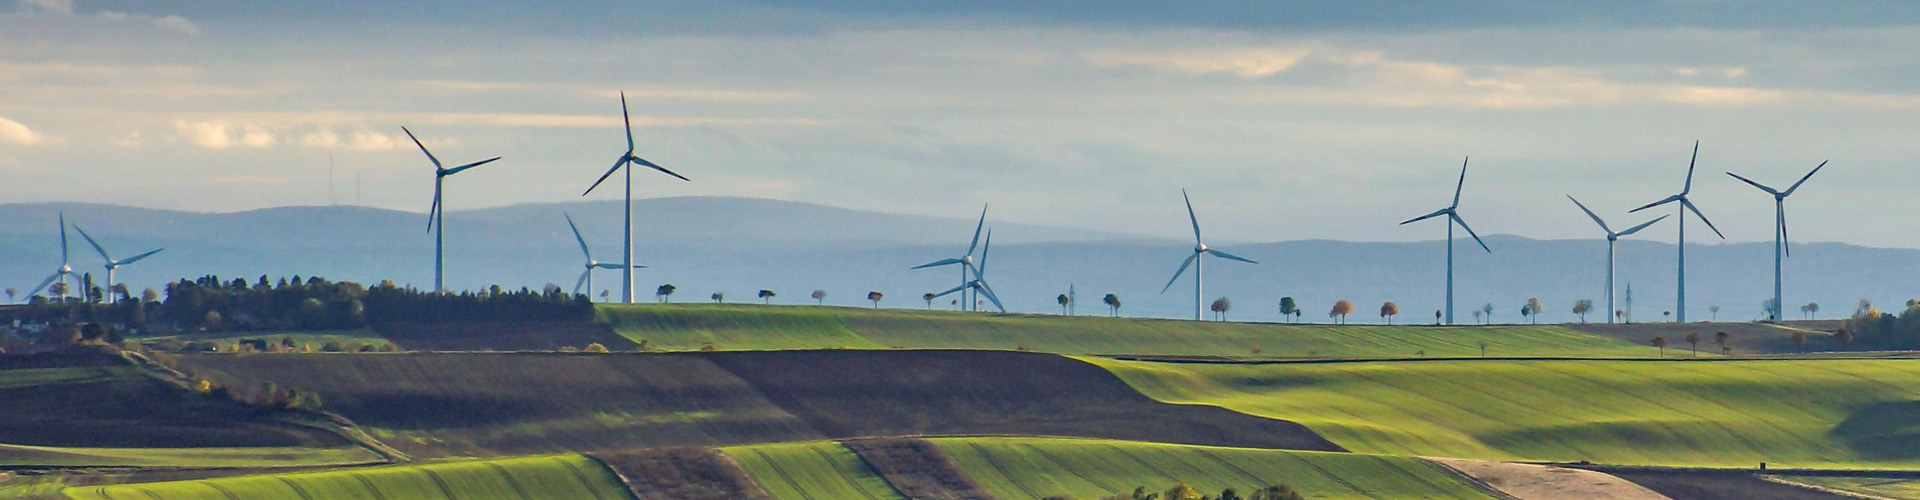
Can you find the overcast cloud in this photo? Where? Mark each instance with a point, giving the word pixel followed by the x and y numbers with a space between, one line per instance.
pixel 1286 120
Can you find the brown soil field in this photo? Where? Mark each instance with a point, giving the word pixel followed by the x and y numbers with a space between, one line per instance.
pixel 1542 482
pixel 918 469
pixel 1745 338
pixel 683 474
pixel 116 405
pixel 488 404
pixel 524 336
pixel 1711 485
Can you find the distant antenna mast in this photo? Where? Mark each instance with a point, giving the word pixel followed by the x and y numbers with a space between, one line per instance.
pixel 1629 302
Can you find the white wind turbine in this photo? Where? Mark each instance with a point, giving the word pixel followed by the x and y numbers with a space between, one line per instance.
pixel 112 265
pixel 1780 228
pixel 1686 205
pixel 586 277
pixel 965 261
pixel 1612 237
pixel 1453 217
pixel 64 270
pixel 979 282
pixel 1199 250
pixel 436 217
pixel 626 266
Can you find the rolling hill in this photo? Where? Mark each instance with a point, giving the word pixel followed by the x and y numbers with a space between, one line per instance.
pixel 563 477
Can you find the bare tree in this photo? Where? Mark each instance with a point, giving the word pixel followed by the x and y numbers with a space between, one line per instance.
pixel 1694 339
pixel 1581 308
pixel 1713 312
pixel 1661 342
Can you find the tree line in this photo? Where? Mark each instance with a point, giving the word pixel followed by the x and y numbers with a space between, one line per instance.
pixel 1183 491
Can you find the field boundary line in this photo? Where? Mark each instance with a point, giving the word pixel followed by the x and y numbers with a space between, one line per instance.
pixel 216 487
pixel 296 488
pixel 783 474
pixel 850 480
pixel 441 482
pixel 510 480
pixel 988 457
pixel 1062 463
pixel 362 478
pixel 582 476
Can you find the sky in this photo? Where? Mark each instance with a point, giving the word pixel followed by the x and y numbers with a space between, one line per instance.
pixel 1284 120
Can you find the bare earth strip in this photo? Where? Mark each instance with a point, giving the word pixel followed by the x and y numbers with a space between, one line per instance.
pixel 1540 482
pixel 919 469
pixel 683 473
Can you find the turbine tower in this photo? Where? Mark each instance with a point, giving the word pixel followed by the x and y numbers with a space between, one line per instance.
pixel 626 266
pixel 1612 237
pixel 112 265
pixel 1686 205
pixel 586 277
pixel 1780 228
pixel 978 285
pixel 1453 217
pixel 64 270
pixel 1199 249
pixel 965 261
pixel 436 217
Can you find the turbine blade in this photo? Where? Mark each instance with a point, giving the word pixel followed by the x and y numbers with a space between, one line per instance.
pixel 938 263
pixel 1755 184
pixel 643 161
pixel 1183 270
pixel 1229 256
pixel 1663 201
pixel 1690 162
pixel 976 230
pixel 1642 225
pixel 463 168
pixel 577 237
pixel 980 270
pixel 423 147
pixel 581 282
pixel 1596 218
pixel 1703 217
pixel 1191 217
pixel 1462 185
pixel 951 290
pixel 603 177
pixel 1780 212
pixel 63 238
pixel 1476 238
pixel 43 284
pixel 96 245
pixel 1803 180
pixel 610 265
pixel 984 289
pixel 137 258
pixel 1435 213
pixel 627 121
pixel 432 212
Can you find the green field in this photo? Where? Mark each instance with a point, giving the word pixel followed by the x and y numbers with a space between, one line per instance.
pixel 812 471
pixel 1898 488
pixel 560 477
pixel 1836 413
pixel 692 326
pixel 279 456
pixel 1085 468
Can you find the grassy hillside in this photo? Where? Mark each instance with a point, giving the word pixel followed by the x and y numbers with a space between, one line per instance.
pixel 1899 488
pixel 737 326
pixel 564 477
pixel 493 404
pixel 812 471
pixel 1037 467
pixel 1789 413
pixel 97 410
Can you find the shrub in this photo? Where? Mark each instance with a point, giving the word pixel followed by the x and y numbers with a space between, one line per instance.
pixel 709 347
pixel 595 347
pixel 333 346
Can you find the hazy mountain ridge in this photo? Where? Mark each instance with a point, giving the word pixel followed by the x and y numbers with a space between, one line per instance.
pixel 738 246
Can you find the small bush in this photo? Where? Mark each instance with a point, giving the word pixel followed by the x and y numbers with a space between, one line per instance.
pixel 333 346
pixel 710 347
pixel 595 347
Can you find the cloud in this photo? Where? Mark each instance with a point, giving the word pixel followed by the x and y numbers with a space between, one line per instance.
pixel 15 133
pixel 1242 62
pixel 358 140
pixel 64 9
pixel 223 135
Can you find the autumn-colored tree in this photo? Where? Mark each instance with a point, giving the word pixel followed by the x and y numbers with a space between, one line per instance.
pixel 595 347
pixel 1341 309
pixel 1581 308
pixel 1389 309
pixel 1694 339
pixel 1113 303
pixel 766 296
pixel 1534 307
pixel 1181 492
pixel 1661 342
pixel 874 297
pixel 819 297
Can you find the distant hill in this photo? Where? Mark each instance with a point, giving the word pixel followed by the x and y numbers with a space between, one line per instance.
pixel 738 246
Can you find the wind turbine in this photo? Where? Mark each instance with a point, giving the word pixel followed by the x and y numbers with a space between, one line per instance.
pixel 1453 217
pixel 1199 249
pixel 64 270
pixel 586 277
pixel 979 282
pixel 965 261
pixel 1680 308
pixel 1612 237
pixel 436 217
pixel 1780 227
pixel 112 265
pixel 626 266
